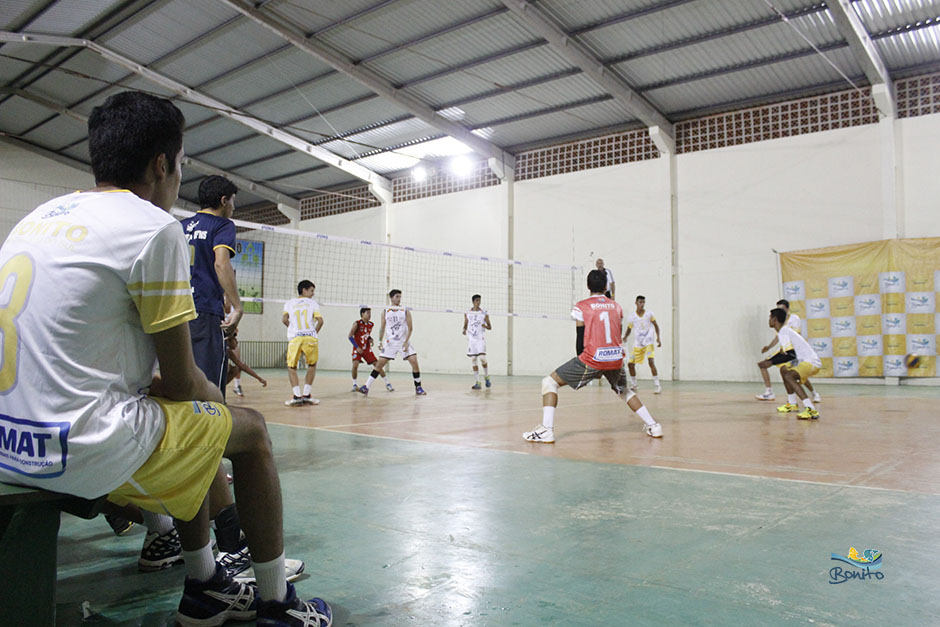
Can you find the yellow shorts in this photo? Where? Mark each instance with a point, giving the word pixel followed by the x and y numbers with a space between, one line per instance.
pixel 804 370
pixel 640 353
pixel 176 477
pixel 305 344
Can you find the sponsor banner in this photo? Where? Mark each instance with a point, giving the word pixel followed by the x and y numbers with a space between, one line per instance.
pixel 921 324
pixel 843 326
pixel 868 305
pixel 924 345
pixel 892 282
pixel 822 346
pixel 844 347
pixel 921 302
pixel 894 324
pixel 794 291
pixel 825 371
pixel 895 344
pixel 817 308
pixel 868 325
pixel 894 366
pixel 821 327
pixel 845 366
pixel 870 367
pixel 869 346
pixel 842 286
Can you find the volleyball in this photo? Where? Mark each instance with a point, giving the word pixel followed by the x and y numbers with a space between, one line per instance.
pixel 912 361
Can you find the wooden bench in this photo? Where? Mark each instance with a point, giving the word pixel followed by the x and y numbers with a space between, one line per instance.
pixel 29 528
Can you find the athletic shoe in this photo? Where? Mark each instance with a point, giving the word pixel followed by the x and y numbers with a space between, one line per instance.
pixel 419 391
pixel 238 565
pixel 216 601
pixel 160 551
pixel 766 397
pixel 309 400
pixel 363 390
pixel 633 387
pixel 658 389
pixel 654 430
pixel 355 388
pixel 788 408
pixel 488 384
pixel 119 526
pixel 295 401
pixel 292 612
pixel 476 386
pixel 238 390
pixel 540 434
pixel 808 414
pixel 388 386
pixel 816 397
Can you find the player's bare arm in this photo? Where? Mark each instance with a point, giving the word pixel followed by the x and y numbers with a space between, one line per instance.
pixel 627 334
pixel 319 323
pixel 769 346
pixel 408 324
pixel 656 326
pixel 465 324
pixel 285 319
pixel 486 322
pixel 352 337
pixel 382 329
pixel 226 274
pixel 180 378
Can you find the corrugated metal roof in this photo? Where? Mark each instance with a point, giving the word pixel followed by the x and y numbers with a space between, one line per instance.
pixel 270 74
pixel 68 18
pixel 883 15
pixel 558 124
pixel 313 17
pixel 15 12
pixel 20 114
pixel 910 48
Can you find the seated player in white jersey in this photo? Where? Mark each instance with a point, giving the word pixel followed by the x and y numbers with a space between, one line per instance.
pixel 476 322
pixel 644 322
pixel 598 320
pixel 303 321
pixel 396 332
pixel 114 275
pixel 793 322
pixel 360 336
pixel 798 362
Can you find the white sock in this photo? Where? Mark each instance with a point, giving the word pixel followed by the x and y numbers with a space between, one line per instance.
pixel 306 389
pixel 808 403
pixel 486 371
pixel 272 585
pixel 370 381
pixel 200 564
pixel 476 375
pixel 160 523
pixel 656 380
pixel 548 417
pixel 644 413
pixel 356 382
pixel 385 378
pixel 792 399
pixel 769 391
pixel 238 381
pixel 296 390
pixel 632 380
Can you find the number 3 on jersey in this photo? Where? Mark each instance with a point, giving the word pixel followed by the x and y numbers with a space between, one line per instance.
pixel 18 271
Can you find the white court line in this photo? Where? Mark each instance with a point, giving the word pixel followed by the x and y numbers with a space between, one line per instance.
pixel 709 472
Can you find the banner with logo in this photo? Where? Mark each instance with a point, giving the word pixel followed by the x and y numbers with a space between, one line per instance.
pixel 865 306
pixel 249 273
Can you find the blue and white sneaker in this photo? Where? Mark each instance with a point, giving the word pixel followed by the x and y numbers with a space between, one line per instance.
pixel 292 612
pixel 240 568
pixel 488 384
pixel 160 551
pixel 388 386
pixel 420 391
pixel 216 601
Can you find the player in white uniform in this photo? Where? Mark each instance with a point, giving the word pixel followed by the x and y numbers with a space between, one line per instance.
pixel 110 267
pixel 793 322
pixel 644 323
pixel 303 321
pixel 798 362
pixel 476 322
pixel 396 332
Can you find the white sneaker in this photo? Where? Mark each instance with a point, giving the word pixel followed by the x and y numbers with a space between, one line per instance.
pixel 239 566
pixel 816 397
pixel 238 390
pixel 388 386
pixel 309 400
pixel 654 430
pixel 540 434
pixel 658 389
pixel 766 397
pixel 633 387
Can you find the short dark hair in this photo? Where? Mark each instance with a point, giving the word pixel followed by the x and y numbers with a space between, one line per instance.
pixel 393 292
pixel 597 281
pixel 305 284
pixel 779 314
pixel 127 131
pixel 639 297
pixel 213 189
pixel 362 310
pixel 475 297
pixel 784 302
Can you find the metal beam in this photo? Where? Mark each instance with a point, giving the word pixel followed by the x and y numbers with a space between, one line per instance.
pixel 357 170
pixel 851 27
pixel 371 80
pixel 579 56
pixel 258 189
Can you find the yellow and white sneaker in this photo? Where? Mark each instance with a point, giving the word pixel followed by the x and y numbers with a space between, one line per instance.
pixel 788 408
pixel 808 414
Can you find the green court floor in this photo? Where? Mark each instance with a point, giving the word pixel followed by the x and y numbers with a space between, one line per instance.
pixel 398 532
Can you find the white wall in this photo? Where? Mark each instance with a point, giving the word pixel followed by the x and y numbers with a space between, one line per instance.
pixel 920 138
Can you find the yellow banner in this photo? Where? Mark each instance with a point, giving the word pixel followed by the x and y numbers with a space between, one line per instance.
pixel 868 305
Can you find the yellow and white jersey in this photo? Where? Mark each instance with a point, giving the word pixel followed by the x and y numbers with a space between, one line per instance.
pixel 475 320
pixel 793 321
pixel 788 338
pixel 302 317
pixel 84 279
pixel 643 331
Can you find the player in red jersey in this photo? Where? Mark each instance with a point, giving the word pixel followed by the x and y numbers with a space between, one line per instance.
pixel 360 336
pixel 599 321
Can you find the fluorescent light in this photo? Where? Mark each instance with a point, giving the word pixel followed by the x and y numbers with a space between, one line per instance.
pixel 419 174
pixel 461 166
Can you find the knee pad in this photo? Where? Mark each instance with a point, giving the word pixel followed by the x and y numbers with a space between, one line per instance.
pixel 549 385
pixel 473 360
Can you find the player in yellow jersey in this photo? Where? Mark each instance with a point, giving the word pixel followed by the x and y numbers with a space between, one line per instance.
pixel 303 321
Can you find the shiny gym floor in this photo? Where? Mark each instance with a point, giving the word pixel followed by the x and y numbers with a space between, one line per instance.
pixel 434 511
